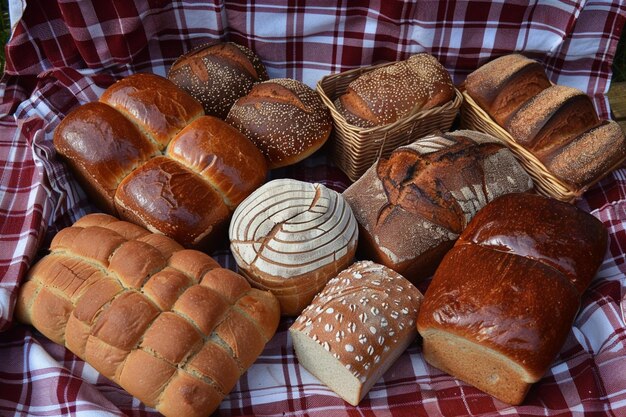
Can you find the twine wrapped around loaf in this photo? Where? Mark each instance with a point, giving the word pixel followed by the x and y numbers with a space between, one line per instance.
pixel 354 149
pixel 475 118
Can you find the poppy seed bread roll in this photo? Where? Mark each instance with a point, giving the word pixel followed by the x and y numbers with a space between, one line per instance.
pixel 217 74
pixel 284 118
pixel 386 94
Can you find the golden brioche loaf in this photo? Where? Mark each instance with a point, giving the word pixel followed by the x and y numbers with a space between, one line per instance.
pixel 503 300
pixel 149 156
pixel 166 323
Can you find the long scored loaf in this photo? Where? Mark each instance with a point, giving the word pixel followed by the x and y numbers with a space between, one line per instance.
pixel 356 328
pixel 291 237
pixel 145 153
pixel 166 323
pixel 412 206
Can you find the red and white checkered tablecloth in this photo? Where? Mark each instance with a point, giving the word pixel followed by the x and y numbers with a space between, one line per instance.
pixel 65 53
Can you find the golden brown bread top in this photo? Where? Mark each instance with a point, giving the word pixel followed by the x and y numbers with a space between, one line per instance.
pixel 119 160
pixel 222 155
pixel 154 104
pixel 386 94
pixel 503 85
pixel 284 118
pixel 217 74
pixel 514 279
pixel 161 325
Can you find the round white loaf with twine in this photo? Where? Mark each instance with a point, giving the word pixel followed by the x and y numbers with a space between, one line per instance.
pixel 291 237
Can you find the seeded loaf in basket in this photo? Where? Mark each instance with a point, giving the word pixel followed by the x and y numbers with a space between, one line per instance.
pixel 145 153
pixel 503 300
pixel 412 206
pixel 356 328
pixel 166 323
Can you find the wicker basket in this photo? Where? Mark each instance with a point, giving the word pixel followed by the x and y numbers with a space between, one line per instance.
pixel 475 118
pixel 355 149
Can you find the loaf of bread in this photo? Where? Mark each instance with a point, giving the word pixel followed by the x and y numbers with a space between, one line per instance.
pixel 217 74
pixel 285 119
pixel 149 157
pixel 291 237
pixel 412 206
pixel 356 328
pixel 167 324
pixel 557 124
pixel 503 300
pixel 389 93
pixel 504 84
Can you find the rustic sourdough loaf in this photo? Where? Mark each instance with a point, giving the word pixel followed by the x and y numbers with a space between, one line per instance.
pixel 386 94
pixel 285 119
pixel 217 74
pixel 166 323
pixel 291 237
pixel 412 206
pixel 356 328
pixel 151 158
pixel 503 300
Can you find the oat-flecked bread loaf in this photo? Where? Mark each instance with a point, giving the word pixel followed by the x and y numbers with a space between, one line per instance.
pixel 217 74
pixel 503 300
pixel 356 328
pixel 504 84
pixel 412 206
pixel 285 119
pixel 151 158
pixel 386 94
pixel 291 237
pixel 557 124
pixel 166 323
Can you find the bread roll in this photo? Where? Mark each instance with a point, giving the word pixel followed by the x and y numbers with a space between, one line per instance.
pixel 412 206
pixel 175 331
pixel 503 85
pixel 503 300
pixel 356 328
pixel 284 118
pixel 291 237
pixel 217 74
pixel 102 147
pixel 386 94
pixel 154 104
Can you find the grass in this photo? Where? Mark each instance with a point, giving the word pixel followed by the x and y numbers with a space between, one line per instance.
pixel 619 63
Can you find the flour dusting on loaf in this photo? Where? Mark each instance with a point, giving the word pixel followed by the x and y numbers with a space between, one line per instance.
pixel 356 327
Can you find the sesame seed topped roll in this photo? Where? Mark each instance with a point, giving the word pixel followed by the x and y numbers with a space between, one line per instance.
pixel 291 237
pixel 285 119
pixel 217 74
pixel 356 328
pixel 389 93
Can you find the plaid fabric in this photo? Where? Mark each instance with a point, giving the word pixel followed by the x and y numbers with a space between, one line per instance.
pixel 65 53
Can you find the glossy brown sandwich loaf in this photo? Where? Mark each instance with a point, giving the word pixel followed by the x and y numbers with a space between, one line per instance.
pixel 503 300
